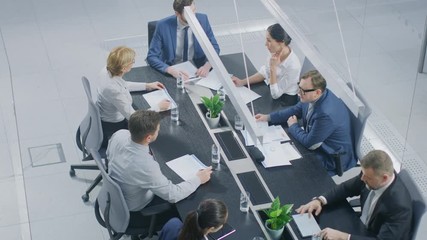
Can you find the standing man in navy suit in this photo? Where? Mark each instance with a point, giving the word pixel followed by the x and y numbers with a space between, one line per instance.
pixel 326 122
pixel 173 42
pixel 386 203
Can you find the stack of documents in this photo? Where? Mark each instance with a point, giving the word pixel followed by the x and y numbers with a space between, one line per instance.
pixel 155 97
pixel 277 154
pixel 186 67
pixel 186 166
pixel 274 133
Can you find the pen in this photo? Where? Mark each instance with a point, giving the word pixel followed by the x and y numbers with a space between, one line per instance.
pixel 193 79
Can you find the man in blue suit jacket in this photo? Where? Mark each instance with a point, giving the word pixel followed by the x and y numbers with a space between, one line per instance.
pixel 326 122
pixel 167 45
pixel 385 200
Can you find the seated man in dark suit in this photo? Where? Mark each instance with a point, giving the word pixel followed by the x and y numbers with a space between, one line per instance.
pixel 386 203
pixel 326 122
pixel 173 42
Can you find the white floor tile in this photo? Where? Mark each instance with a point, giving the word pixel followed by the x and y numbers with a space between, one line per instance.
pixel 28 88
pixel 34 121
pixel 9 204
pixel 79 226
pixel 54 196
pixel 16 232
pixel 6 169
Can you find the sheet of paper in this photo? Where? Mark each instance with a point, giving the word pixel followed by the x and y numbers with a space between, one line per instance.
pixel 306 224
pixel 274 133
pixel 186 166
pixel 187 67
pixel 246 94
pixel 211 81
pixel 277 154
pixel 155 97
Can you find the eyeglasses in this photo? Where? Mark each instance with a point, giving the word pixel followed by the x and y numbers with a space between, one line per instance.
pixel 304 91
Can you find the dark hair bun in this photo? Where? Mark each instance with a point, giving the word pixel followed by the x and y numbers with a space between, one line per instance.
pixel 279 34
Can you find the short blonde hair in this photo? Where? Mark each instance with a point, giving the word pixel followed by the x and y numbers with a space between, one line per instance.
pixel 119 58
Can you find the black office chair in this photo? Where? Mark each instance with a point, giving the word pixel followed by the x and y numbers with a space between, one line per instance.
pixel 112 212
pixel 151 30
pixel 89 136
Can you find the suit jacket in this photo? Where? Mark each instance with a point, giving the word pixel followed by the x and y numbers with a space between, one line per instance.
pixel 329 124
pixel 392 215
pixel 163 45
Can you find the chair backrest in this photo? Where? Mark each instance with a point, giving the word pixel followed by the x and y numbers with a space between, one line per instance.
pixel 151 30
pixel 111 197
pixel 418 204
pixel 90 128
pixel 358 124
pixel 306 66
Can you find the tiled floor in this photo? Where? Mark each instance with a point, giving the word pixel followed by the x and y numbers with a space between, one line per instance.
pixel 49 44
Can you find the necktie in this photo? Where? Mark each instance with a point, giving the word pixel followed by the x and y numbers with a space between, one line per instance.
pixel 307 117
pixel 366 208
pixel 185 48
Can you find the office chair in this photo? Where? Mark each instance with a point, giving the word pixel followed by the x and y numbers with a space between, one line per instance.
pixel 89 135
pixel 151 30
pixel 306 66
pixel 112 212
pixel 418 204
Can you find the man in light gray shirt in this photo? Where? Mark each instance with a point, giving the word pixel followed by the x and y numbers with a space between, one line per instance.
pixel 135 170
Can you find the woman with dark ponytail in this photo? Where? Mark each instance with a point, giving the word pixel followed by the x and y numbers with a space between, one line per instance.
pixel 209 217
pixel 282 70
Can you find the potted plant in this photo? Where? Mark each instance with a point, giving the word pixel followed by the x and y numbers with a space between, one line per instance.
pixel 278 217
pixel 214 107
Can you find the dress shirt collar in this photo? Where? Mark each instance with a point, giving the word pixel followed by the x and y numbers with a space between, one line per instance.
pixel 378 192
pixel 179 25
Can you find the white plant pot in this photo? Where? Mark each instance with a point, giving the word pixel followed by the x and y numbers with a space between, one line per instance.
pixel 212 122
pixel 274 234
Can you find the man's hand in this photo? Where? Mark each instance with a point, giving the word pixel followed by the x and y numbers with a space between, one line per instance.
pixel 313 206
pixel 204 174
pixel 175 73
pixel 203 70
pixel 164 104
pixel 154 85
pixel 332 234
pixel 238 82
pixel 292 120
pixel 261 118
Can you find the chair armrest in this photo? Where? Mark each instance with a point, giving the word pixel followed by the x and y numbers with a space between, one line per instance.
pixel 156 209
pixel 336 156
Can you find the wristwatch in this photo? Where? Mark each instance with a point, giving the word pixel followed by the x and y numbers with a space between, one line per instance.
pixel 319 199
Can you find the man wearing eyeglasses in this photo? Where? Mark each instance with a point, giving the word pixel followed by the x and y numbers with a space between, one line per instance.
pixel 325 122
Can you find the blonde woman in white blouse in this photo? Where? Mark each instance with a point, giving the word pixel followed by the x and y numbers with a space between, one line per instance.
pixel 114 99
pixel 282 69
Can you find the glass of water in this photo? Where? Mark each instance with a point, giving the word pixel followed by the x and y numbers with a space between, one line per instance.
pixel 179 82
pixel 175 114
pixel 216 156
pixel 238 123
pixel 244 201
pixel 221 92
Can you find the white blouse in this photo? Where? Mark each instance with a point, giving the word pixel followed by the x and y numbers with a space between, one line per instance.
pixel 287 74
pixel 113 98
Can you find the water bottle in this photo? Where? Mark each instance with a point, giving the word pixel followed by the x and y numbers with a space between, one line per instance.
pixel 216 156
pixel 179 82
pixel 175 114
pixel 221 92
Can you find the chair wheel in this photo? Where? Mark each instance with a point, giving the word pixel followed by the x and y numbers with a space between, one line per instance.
pixel 72 172
pixel 85 197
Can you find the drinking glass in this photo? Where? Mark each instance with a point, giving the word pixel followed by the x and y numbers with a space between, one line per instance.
pixel 175 114
pixel 244 201
pixel 216 156
pixel 238 123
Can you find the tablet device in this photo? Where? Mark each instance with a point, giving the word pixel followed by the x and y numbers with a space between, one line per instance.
pixel 225 231
pixel 306 224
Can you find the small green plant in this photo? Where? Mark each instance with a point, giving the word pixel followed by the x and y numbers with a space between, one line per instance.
pixel 213 104
pixel 278 216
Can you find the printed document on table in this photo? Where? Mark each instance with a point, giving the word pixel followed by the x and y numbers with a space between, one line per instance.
pixel 246 94
pixel 277 154
pixel 306 224
pixel 273 133
pixel 211 81
pixel 187 67
pixel 186 166
pixel 155 97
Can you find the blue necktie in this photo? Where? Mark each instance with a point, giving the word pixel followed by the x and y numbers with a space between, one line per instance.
pixel 185 49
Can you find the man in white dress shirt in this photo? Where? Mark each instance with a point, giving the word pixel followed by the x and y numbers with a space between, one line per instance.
pixel 137 173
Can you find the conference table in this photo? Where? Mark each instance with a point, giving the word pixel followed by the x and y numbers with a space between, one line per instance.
pixel 297 183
